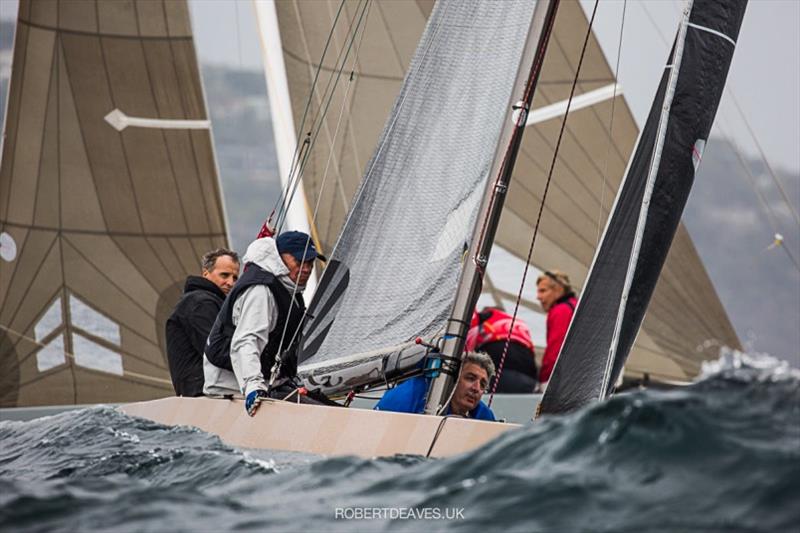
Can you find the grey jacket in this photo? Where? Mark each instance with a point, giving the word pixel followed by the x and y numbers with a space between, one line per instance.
pixel 254 315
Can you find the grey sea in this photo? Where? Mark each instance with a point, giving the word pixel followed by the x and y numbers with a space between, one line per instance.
pixel 720 455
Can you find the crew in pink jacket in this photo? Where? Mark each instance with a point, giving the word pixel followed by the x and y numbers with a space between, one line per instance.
pixel 554 292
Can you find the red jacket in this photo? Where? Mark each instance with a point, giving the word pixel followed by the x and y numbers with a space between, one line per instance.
pixel 495 328
pixel 558 319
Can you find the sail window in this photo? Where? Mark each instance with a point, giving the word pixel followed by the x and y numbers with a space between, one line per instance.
pixel 52 355
pixel 91 321
pixel 89 354
pixel 49 321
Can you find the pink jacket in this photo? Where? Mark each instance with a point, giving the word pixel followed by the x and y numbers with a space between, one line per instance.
pixel 558 319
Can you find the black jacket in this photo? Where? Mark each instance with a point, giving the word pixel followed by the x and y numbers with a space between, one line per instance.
pixel 187 330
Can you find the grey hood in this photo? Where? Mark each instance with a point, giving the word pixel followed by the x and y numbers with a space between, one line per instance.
pixel 264 253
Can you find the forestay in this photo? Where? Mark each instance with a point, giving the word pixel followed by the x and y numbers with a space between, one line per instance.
pixel 108 215
pixel 393 273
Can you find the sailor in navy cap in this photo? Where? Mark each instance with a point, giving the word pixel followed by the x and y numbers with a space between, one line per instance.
pixel 261 319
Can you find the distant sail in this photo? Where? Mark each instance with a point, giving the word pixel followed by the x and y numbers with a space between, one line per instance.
pixel 648 209
pixel 685 312
pixel 107 223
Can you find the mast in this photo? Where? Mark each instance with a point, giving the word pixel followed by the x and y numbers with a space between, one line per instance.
pixel 471 278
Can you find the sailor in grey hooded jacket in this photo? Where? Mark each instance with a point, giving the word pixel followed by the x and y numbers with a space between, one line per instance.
pixel 255 314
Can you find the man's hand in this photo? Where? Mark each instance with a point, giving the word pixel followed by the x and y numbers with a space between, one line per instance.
pixel 253 400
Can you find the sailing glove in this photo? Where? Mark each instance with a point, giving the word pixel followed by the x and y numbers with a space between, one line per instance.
pixel 253 400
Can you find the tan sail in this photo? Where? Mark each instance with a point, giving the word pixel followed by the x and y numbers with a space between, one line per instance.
pixel 109 190
pixel 685 314
pixel 321 430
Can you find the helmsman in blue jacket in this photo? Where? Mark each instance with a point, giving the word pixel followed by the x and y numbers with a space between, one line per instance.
pixel 477 370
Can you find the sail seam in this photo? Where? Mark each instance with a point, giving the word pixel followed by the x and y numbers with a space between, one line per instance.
pixel 111 233
pixel 384 136
pixel 165 140
pixel 651 178
pixel 9 104
pixel 27 290
pixel 105 35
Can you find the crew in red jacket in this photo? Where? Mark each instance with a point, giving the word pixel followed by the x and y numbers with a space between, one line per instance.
pixel 488 333
pixel 554 292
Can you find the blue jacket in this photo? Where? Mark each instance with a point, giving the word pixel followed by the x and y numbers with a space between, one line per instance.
pixel 409 397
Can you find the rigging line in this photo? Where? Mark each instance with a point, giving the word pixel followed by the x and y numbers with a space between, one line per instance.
pixel 610 126
pixel 316 129
pixel 324 179
pixel 544 199
pixel 772 217
pixel 318 120
pixel 654 24
pixel 438 432
pixel 765 160
pixel 536 66
pixel 337 166
pixel 339 182
pixel 300 127
pixel 791 256
pixel 300 147
pixel 751 179
pixel 775 178
pixel 335 73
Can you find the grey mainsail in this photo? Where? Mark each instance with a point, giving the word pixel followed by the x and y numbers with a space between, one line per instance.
pixel 108 187
pixel 685 312
pixel 648 208
pixel 393 273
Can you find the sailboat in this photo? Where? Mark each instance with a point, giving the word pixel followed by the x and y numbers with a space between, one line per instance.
pixel 685 313
pixel 440 234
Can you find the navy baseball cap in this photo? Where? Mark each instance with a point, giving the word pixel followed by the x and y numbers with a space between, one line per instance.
pixel 299 244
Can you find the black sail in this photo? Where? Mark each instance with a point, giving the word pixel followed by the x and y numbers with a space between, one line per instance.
pixel 648 208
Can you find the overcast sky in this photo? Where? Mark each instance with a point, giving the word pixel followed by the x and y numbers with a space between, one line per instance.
pixel 764 77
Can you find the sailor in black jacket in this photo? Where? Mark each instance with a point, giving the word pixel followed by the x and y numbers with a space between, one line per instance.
pixel 190 322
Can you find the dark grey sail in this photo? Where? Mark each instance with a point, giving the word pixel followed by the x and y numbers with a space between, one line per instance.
pixel 393 273
pixel 648 208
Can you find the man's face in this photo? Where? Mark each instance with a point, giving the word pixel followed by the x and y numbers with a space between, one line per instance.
pixel 299 271
pixel 547 292
pixel 224 274
pixel 469 389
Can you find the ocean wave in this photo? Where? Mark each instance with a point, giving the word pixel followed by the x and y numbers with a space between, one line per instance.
pixel 721 454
